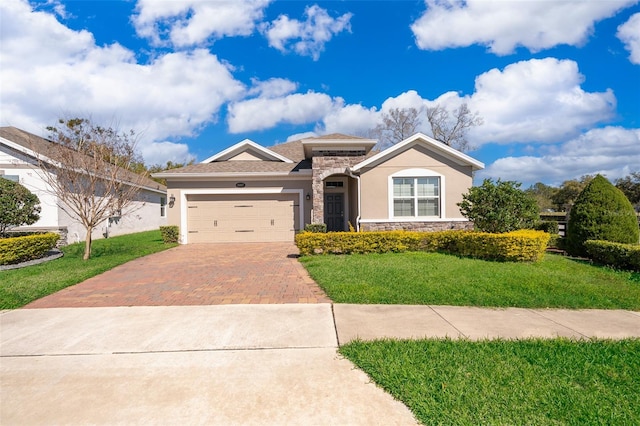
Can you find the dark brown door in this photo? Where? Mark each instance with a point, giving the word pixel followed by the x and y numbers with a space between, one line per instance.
pixel 334 212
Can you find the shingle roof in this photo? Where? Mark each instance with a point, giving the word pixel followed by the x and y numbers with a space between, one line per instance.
pixel 293 150
pixel 241 167
pixel 42 146
pixel 337 136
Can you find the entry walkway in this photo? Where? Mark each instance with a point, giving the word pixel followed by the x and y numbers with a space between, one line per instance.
pixel 236 364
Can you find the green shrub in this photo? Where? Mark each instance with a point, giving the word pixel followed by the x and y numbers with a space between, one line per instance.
pixel 22 249
pixel 601 212
pixel 18 206
pixel 499 207
pixel 548 226
pixel 170 234
pixel 622 256
pixel 525 245
pixel 316 227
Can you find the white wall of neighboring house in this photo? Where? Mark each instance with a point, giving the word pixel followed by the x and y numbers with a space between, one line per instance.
pixel 29 176
pixel 144 214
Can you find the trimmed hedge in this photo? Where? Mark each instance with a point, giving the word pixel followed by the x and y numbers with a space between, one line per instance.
pixel 22 249
pixel 523 245
pixel 315 227
pixel 170 234
pixel 618 255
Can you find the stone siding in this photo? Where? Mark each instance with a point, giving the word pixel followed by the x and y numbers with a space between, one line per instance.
pixel 322 168
pixel 416 226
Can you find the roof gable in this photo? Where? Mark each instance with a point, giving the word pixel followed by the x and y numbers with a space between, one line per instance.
pixel 429 143
pixel 247 150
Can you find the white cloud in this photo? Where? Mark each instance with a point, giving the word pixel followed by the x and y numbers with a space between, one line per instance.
pixel 161 152
pixel 539 100
pixel 359 120
pixel 629 34
pixel 272 88
pixel 611 151
pixel 408 99
pixel 192 22
pixel 303 135
pixel 535 101
pixel 264 113
pixel 49 71
pixel 351 119
pixel 502 26
pixel 306 38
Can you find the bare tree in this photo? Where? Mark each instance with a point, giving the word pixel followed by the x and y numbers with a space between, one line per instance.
pixel 88 168
pixel 448 127
pixel 397 125
pixel 451 127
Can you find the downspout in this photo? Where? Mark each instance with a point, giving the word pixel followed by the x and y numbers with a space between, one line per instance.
pixel 357 178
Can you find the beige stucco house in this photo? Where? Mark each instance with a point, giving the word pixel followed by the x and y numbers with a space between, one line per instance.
pixel 21 154
pixel 251 193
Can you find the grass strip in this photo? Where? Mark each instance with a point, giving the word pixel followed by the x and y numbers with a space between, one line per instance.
pixel 439 279
pixel 21 286
pixel 525 382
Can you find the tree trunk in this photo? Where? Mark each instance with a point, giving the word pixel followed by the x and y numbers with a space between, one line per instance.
pixel 87 245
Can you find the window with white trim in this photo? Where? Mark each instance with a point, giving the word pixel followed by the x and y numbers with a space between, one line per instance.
pixel 416 196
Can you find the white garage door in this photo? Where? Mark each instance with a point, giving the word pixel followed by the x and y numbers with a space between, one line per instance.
pixel 233 218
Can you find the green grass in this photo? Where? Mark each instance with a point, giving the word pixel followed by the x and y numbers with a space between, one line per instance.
pixel 440 279
pixel 527 382
pixel 21 286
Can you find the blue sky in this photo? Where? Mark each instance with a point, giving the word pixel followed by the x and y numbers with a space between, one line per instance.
pixel 556 82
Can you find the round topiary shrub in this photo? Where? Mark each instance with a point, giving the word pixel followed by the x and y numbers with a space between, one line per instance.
pixel 601 212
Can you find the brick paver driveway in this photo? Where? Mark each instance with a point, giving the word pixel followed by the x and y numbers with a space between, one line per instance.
pixel 198 274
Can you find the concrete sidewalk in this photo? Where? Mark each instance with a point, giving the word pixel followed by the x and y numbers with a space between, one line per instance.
pixel 369 322
pixel 236 364
pixel 220 365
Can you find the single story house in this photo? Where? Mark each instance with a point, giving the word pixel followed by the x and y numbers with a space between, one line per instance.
pixel 21 154
pixel 249 193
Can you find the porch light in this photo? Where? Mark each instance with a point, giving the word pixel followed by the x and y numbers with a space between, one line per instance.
pixel 172 200
pixel 308 197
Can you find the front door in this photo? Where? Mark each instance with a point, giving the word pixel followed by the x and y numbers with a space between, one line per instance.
pixel 334 212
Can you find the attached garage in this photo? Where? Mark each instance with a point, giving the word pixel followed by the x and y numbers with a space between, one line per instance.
pixel 242 218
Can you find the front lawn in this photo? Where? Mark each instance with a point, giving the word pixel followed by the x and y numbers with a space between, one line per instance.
pixel 526 382
pixel 419 278
pixel 21 286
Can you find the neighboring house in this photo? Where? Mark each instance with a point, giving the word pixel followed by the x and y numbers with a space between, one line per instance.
pixel 19 154
pixel 251 193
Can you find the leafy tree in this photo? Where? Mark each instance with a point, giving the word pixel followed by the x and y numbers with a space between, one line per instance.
pixel 397 125
pixel 543 194
pixel 18 206
pixel 451 127
pixel 569 191
pixel 630 186
pixel 499 207
pixel 601 212
pixel 88 168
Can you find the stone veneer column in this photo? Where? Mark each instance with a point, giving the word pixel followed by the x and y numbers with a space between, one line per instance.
pixel 323 167
pixel 317 187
